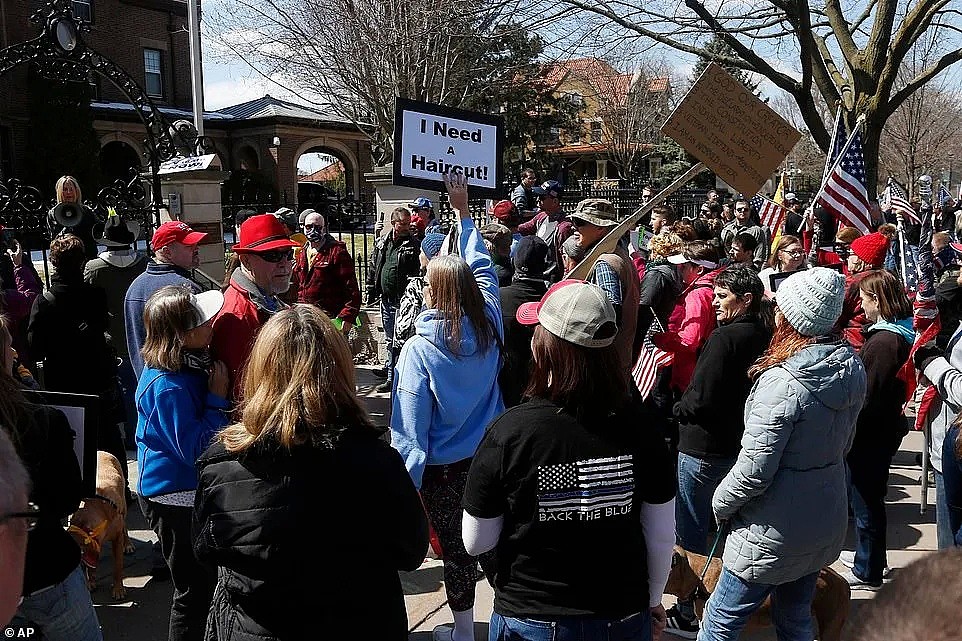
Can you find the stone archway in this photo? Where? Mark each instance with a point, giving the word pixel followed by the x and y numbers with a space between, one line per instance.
pixel 339 150
pixel 117 159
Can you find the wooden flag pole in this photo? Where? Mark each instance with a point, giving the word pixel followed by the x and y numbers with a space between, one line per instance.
pixel 607 244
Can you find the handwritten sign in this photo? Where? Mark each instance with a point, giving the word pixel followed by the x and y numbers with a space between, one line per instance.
pixel 186 163
pixel 432 140
pixel 735 134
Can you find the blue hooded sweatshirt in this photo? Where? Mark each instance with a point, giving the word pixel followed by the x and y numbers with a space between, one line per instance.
pixel 443 402
pixel 177 418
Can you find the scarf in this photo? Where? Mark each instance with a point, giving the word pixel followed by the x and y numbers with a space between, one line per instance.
pixel 197 360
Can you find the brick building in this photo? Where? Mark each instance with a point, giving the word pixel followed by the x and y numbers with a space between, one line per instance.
pixel 149 40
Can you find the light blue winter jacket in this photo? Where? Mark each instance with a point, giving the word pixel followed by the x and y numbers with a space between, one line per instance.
pixel 443 402
pixel 785 499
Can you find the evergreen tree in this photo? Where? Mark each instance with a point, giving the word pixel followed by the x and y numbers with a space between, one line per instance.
pixel 717 49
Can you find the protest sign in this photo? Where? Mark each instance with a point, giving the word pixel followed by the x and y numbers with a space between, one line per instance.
pixel 739 137
pixel 432 140
pixel 186 163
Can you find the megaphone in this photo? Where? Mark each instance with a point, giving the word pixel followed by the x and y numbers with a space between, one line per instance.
pixel 68 214
pixel 925 187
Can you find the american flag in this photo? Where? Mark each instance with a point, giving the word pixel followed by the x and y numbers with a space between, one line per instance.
pixel 599 484
pixel 651 359
pixel 844 193
pixel 944 196
pixel 770 213
pixel 910 277
pixel 894 198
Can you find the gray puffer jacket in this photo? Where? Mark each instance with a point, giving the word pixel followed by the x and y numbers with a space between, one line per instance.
pixel 785 498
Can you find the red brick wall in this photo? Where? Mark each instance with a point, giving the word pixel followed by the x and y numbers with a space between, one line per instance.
pixel 120 31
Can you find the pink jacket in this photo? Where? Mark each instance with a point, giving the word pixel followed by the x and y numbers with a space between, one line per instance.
pixel 689 325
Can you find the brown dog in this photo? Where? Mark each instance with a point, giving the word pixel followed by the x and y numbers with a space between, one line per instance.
pixel 830 606
pixel 104 518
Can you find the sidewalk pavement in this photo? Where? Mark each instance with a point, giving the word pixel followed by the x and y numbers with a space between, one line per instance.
pixel 143 615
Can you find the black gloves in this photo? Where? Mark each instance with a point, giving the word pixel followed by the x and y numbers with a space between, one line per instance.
pixel 925 354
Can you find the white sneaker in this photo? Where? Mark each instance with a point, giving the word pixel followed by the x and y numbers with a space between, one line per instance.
pixel 847 559
pixel 859 584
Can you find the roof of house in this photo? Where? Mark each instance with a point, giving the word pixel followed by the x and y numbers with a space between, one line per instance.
pixel 270 107
pixel 604 79
pixel 324 174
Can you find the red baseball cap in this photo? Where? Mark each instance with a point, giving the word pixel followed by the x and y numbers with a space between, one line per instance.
pixel 263 233
pixel 175 231
pixel 506 212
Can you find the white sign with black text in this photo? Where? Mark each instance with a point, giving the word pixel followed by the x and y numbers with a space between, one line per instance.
pixel 432 140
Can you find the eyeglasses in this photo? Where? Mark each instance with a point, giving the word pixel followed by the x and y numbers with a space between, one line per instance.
pixel 741 209
pixel 795 254
pixel 313 226
pixel 277 255
pixel 30 517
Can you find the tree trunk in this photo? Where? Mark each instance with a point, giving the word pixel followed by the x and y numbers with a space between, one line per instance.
pixel 871 137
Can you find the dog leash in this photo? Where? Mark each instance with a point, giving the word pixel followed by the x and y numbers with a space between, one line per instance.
pixel 711 553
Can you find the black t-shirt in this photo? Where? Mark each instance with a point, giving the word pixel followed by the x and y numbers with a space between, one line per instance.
pixel 570 493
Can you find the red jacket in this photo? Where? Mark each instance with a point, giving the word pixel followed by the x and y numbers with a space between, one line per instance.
pixel 235 328
pixel 852 320
pixel 690 324
pixel 328 282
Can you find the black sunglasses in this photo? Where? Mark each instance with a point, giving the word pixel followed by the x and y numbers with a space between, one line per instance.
pixel 31 516
pixel 276 255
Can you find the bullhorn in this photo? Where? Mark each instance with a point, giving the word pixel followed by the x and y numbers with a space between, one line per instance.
pixel 68 214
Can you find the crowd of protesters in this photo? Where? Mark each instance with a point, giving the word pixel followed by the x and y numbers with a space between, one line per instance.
pixel 522 436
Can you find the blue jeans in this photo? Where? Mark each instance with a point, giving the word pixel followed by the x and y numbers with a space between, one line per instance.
pixel 63 612
pixel 697 481
pixel 388 314
pixel 636 627
pixel 735 600
pixel 868 474
pixel 944 536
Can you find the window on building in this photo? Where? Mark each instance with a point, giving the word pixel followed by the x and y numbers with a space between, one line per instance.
pixel 153 73
pixel 596 132
pixel 83 10
pixel 574 134
pixel 575 98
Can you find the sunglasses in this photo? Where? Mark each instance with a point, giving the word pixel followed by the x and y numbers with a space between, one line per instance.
pixel 577 222
pixel 276 255
pixel 313 226
pixel 741 209
pixel 30 516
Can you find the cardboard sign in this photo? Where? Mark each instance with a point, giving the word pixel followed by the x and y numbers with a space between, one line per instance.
pixel 186 163
pixel 432 140
pixel 735 134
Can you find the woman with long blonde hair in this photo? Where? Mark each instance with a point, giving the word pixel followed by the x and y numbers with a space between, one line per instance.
pixel 784 501
pixel 70 216
pixel 280 493
pixel 446 393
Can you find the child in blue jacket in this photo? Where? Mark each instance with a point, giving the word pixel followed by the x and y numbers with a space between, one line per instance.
pixel 181 404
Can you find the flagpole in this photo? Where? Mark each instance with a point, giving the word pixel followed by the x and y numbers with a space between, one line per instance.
pixel 831 144
pixel 848 143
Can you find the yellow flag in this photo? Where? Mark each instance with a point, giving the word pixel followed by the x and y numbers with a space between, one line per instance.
pixel 779 199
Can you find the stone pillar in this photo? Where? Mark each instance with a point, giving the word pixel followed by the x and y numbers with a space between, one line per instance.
pixel 199 194
pixel 388 196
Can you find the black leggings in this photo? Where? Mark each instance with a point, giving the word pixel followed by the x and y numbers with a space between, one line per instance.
pixel 442 488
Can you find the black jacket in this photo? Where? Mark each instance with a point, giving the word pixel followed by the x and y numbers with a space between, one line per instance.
pixel 309 540
pixel 406 253
pixel 660 288
pixel 69 334
pixel 881 426
pixel 515 371
pixel 711 411
pixel 44 441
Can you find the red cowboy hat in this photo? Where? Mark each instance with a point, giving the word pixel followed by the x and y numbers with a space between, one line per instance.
pixel 263 233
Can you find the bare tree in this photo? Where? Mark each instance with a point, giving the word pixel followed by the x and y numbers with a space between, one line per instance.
pixel 633 106
pixel 352 58
pixel 920 135
pixel 849 55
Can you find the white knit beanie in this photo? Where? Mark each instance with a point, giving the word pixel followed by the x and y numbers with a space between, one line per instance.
pixel 811 301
